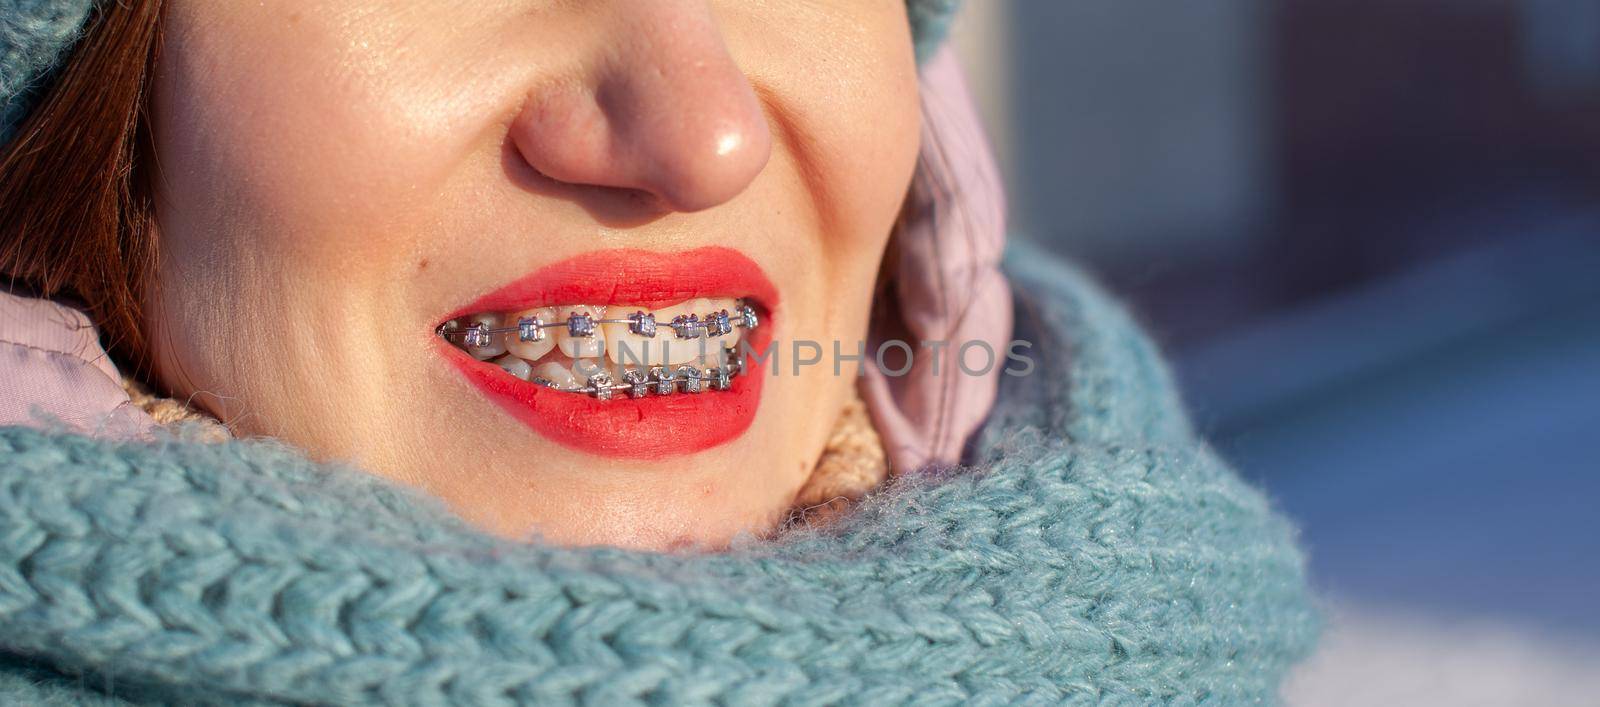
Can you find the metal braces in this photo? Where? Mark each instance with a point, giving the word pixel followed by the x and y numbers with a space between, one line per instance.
pixel 657 380
pixel 584 326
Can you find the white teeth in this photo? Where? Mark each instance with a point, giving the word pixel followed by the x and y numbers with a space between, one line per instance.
pixel 694 308
pixel 526 342
pixel 638 382
pixel 515 366
pixel 580 347
pixel 689 379
pixel 716 344
pixel 557 374
pixel 583 368
pixel 496 345
pixel 710 348
pixel 625 347
pixel 532 350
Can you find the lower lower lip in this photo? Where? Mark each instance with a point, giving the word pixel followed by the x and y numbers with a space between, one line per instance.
pixel 652 427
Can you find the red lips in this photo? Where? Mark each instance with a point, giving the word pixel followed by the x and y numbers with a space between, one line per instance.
pixel 644 428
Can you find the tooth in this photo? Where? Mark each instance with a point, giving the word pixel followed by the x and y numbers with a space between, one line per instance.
pixel 663 380
pixel 730 340
pixel 745 316
pixel 689 379
pixel 718 378
pixel 637 378
pixel 515 366
pixel 496 345
pixel 556 374
pixel 600 385
pixel 532 350
pixel 584 368
pixel 576 346
pixel 624 346
pixel 678 351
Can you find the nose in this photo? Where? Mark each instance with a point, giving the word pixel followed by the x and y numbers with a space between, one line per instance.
pixel 663 110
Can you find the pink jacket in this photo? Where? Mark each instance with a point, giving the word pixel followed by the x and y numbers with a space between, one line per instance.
pixel 53 372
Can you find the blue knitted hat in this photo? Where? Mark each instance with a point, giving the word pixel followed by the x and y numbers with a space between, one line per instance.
pixel 35 34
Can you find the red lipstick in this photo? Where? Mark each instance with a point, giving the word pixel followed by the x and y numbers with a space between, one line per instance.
pixel 645 428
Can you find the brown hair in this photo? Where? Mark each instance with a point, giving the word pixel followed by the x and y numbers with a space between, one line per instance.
pixel 76 210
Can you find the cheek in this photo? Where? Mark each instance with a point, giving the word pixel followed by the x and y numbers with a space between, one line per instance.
pixel 232 143
pixel 842 90
pixel 862 126
pixel 864 145
pixel 297 149
pixel 870 158
pixel 311 132
pixel 276 194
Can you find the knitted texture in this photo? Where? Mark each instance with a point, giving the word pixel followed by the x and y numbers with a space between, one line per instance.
pixel 173 412
pixel 33 36
pixel 1099 554
pixel 853 462
pixel 36 34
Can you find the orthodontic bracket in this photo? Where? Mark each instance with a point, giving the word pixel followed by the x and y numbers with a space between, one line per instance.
pixel 656 380
pixel 584 326
pixel 659 380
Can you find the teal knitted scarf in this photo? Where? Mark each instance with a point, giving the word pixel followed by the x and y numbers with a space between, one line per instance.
pixel 1098 553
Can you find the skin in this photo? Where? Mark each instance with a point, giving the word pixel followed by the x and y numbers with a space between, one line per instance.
pixel 335 177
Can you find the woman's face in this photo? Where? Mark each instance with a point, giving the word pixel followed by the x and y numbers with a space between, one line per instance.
pixel 336 180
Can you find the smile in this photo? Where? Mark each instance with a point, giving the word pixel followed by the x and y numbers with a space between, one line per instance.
pixel 622 353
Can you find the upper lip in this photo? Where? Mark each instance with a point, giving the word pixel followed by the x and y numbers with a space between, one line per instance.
pixel 643 278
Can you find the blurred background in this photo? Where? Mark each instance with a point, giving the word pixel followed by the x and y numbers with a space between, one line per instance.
pixel 1368 234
